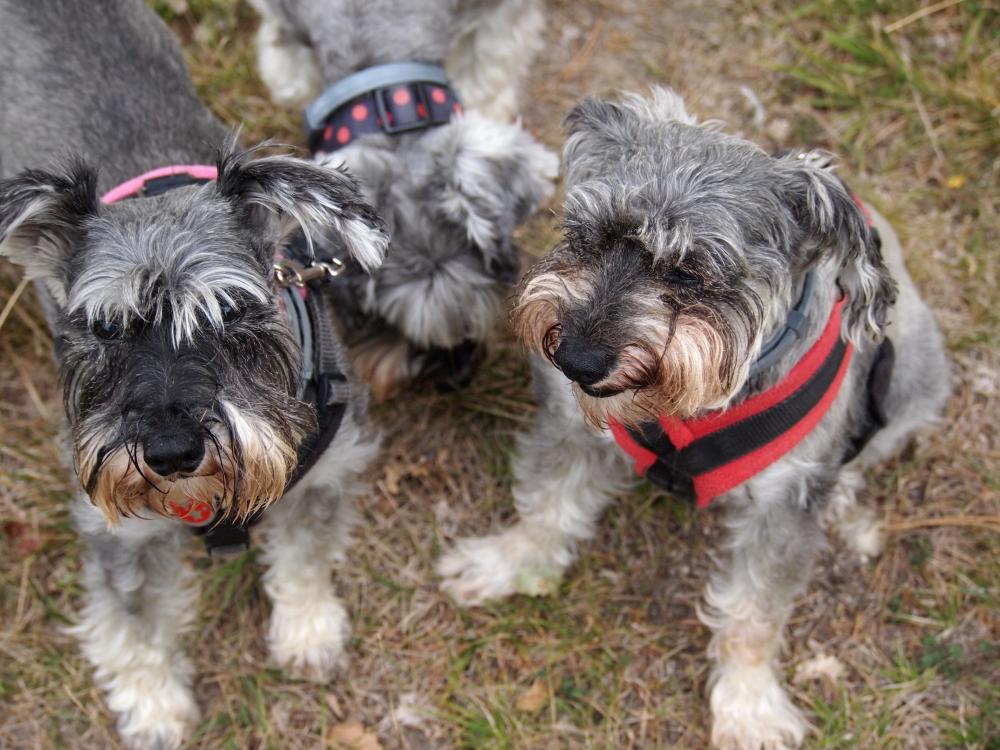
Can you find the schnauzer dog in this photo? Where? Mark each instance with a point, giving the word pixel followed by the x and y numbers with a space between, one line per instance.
pixel 193 398
pixel 732 323
pixel 452 187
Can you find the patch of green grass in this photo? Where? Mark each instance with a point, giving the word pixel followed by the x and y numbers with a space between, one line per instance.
pixel 979 726
pixel 945 658
pixel 482 726
pixel 853 58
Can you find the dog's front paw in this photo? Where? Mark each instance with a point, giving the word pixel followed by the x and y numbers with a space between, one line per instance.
pixel 154 712
pixel 494 567
pixel 750 711
pixel 864 534
pixel 309 638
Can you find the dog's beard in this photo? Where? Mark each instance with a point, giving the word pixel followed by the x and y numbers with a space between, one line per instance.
pixel 676 365
pixel 674 369
pixel 246 468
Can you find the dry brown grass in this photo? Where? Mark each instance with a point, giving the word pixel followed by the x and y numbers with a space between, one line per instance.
pixel 616 660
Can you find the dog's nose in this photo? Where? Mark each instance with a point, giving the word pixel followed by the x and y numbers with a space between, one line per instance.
pixel 582 362
pixel 171 452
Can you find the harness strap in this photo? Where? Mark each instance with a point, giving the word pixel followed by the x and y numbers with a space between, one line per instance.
pixel 703 458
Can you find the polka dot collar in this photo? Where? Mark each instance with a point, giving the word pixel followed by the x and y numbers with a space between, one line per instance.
pixel 399 97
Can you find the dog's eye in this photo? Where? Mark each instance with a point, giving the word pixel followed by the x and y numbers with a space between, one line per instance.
pixel 230 313
pixel 680 277
pixel 107 330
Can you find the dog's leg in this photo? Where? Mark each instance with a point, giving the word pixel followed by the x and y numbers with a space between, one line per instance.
pixel 856 523
pixel 305 535
pixel 565 475
pixel 490 59
pixel 770 549
pixel 139 597
pixel 287 65
pixel 385 362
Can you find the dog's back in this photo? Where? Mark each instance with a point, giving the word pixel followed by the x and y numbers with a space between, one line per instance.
pixel 102 79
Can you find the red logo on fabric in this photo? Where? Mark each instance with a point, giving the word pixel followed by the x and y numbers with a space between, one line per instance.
pixel 194 512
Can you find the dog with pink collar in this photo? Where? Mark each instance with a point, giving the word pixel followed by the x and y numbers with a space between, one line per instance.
pixel 203 380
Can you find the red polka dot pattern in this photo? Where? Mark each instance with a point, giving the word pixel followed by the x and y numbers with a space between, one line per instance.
pixel 396 108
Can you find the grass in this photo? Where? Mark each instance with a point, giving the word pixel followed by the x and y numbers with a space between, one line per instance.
pixel 616 659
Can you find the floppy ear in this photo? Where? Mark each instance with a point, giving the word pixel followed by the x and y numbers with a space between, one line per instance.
pixel 41 215
pixel 836 227
pixel 301 194
pixel 495 175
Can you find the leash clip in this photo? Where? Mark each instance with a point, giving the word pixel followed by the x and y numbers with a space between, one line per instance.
pixel 290 273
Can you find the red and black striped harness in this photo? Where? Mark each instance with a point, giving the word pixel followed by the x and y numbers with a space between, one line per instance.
pixel 702 458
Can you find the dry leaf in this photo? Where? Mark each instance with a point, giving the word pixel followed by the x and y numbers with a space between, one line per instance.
pixel 351 735
pixel 392 476
pixel 533 699
pixel 24 536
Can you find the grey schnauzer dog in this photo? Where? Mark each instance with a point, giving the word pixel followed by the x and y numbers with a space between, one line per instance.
pixel 451 189
pixel 180 374
pixel 724 316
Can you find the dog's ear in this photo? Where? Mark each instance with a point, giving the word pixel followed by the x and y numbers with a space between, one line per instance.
pixel 494 176
pixel 835 226
pixel 597 129
pixel 41 219
pixel 294 194
pixel 378 169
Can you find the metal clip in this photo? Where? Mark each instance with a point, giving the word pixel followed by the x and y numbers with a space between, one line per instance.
pixel 291 273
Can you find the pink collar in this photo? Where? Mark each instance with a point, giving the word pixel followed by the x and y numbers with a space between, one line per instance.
pixel 136 185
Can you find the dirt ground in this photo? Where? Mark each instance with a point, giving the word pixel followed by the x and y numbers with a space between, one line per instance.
pixel 906 93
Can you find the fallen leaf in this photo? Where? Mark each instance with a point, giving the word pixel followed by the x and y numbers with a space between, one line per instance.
pixel 392 476
pixel 533 699
pixel 956 181
pixel 25 537
pixel 351 735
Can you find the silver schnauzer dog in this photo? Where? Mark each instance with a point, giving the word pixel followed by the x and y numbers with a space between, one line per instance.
pixel 451 185
pixel 739 327
pixel 196 390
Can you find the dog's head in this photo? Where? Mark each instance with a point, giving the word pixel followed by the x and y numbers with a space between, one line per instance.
pixel 682 251
pixel 179 373
pixel 451 197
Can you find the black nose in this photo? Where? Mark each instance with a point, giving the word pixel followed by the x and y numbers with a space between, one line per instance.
pixel 170 452
pixel 583 362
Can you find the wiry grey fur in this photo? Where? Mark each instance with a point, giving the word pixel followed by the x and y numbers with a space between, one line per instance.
pixel 451 195
pixel 166 326
pixel 684 250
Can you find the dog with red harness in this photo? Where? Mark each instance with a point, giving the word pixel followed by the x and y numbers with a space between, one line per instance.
pixel 734 327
